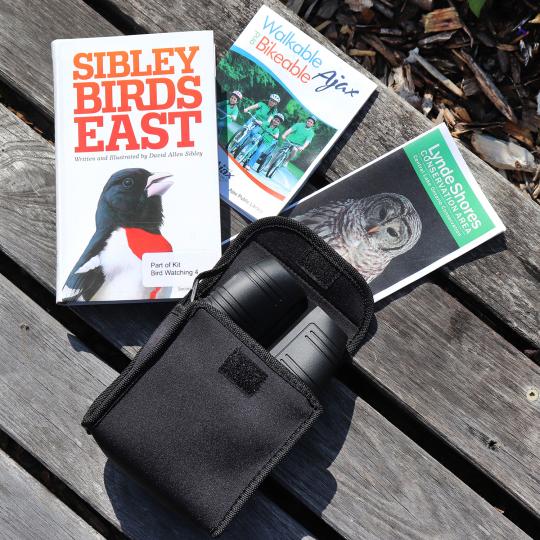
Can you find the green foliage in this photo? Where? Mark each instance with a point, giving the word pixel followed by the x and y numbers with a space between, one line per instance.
pixel 476 6
pixel 235 72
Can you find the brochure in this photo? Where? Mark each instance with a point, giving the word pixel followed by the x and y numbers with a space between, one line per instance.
pixel 403 215
pixel 136 166
pixel 283 102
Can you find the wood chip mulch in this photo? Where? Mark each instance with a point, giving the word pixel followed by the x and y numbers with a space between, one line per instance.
pixel 478 74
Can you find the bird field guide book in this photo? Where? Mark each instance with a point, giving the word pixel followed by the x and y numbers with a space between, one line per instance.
pixel 137 179
pixel 283 101
pixel 403 215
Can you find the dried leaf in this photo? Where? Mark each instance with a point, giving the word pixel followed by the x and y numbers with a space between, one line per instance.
pixel 462 114
pixel 520 133
pixel 359 5
pixel 323 25
pixel 488 86
pixel 415 57
pixel 361 52
pixel 427 103
pixel 503 154
pixel 442 20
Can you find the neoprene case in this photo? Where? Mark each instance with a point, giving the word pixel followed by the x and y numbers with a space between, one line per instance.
pixel 203 412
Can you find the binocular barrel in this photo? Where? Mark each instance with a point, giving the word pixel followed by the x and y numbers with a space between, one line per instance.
pixel 265 300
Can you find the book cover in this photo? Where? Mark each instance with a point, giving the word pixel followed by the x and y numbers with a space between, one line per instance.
pixel 136 166
pixel 403 215
pixel 283 101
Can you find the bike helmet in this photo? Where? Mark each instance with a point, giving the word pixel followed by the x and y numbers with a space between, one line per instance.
pixel 280 116
pixel 237 93
pixel 274 97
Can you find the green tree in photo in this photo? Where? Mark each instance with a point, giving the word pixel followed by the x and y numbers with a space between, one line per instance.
pixel 235 72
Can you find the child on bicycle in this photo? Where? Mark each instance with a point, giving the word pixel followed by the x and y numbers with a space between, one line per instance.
pixel 228 110
pixel 262 112
pixel 269 138
pixel 300 136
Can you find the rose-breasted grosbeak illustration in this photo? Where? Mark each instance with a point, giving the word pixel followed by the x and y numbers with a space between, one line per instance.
pixel 128 219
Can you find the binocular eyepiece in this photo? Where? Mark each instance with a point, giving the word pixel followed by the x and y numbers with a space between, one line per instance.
pixel 267 302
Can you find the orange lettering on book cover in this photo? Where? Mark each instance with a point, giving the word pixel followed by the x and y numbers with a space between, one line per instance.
pixel 112 82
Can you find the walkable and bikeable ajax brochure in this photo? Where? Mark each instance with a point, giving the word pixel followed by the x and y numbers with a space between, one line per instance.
pixel 136 139
pixel 283 100
pixel 403 215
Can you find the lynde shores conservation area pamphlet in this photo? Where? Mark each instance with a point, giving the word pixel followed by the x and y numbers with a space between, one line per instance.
pixel 403 215
pixel 283 100
pixel 136 166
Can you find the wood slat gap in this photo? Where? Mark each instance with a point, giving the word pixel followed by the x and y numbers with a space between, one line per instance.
pixel 58 488
pixel 363 385
pixel 356 380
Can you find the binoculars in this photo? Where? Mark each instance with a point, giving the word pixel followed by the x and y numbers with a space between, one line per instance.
pixel 268 303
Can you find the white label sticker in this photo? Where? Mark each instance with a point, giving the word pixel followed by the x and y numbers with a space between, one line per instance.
pixel 177 269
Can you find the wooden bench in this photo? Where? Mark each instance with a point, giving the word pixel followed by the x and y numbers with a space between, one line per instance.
pixel 431 433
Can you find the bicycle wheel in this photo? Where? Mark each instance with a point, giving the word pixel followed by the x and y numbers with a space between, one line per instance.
pixel 280 159
pixel 245 151
pixel 236 140
pixel 265 161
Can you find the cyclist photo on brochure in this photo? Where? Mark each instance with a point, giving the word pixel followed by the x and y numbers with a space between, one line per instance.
pixel 264 128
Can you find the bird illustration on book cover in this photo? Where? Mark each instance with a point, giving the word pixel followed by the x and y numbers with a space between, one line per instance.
pixel 129 217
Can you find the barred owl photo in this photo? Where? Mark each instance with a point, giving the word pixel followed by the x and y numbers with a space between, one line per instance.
pixel 367 232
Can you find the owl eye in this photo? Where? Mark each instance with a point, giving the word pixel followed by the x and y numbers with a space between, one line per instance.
pixel 127 182
pixel 382 213
pixel 392 232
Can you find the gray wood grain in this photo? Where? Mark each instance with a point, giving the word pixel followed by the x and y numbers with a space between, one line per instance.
pixel 128 333
pixel 361 473
pixel 47 381
pixel 502 275
pixel 29 511
pixel 27 165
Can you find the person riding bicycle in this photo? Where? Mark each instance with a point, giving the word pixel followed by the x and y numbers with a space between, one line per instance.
pixel 228 109
pixel 262 112
pixel 300 136
pixel 269 138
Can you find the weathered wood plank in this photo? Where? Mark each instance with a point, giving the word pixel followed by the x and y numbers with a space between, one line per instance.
pixel 361 473
pixel 502 275
pixel 465 381
pixel 47 381
pixel 27 165
pixel 143 317
pixel 29 511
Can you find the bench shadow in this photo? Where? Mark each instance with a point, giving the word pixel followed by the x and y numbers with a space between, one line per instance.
pixel 307 470
pixel 142 515
pixel 491 247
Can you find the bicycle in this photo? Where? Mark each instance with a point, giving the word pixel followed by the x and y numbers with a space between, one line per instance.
pixel 250 146
pixel 242 136
pixel 279 157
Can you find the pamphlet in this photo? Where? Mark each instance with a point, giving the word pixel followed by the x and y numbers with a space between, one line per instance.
pixel 283 102
pixel 403 215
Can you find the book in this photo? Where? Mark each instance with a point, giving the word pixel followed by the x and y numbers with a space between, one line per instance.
pixel 283 101
pixel 136 166
pixel 403 215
